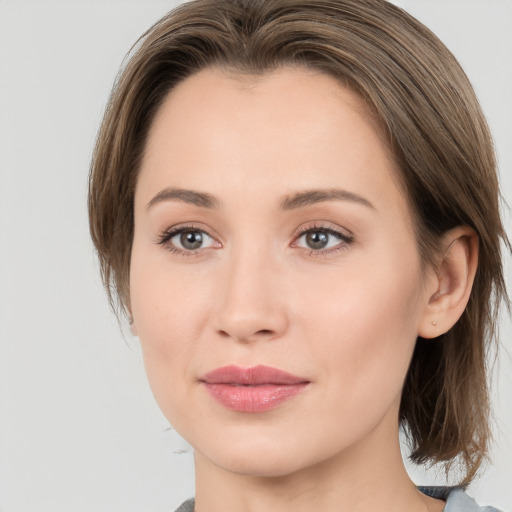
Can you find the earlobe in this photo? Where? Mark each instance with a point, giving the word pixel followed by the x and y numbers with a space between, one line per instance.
pixel 452 282
pixel 133 327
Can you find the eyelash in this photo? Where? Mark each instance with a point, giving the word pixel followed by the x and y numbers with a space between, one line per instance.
pixel 345 240
pixel 165 238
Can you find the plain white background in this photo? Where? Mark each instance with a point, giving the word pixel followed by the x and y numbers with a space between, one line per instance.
pixel 79 429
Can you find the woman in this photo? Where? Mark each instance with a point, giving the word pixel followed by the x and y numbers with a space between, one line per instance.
pixel 296 205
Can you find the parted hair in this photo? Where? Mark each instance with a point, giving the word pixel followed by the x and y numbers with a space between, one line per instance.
pixel 433 123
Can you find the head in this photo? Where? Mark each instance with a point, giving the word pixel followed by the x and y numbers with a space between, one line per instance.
pixel 419 114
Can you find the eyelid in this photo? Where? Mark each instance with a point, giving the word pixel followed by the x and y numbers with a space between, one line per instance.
pixel 324 226
pixel 345 236
pixel 164 238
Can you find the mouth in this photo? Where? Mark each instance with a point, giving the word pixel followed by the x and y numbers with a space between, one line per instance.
pixel 252 390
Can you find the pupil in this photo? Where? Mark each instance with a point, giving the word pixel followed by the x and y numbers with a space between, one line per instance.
pixel 317 239
pixel 191 239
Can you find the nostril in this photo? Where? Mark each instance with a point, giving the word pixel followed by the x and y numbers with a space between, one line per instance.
pixel 246 336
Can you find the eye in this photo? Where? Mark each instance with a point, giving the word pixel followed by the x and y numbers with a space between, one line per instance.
pixel 190 240
pixel 322 239
pixel 187 240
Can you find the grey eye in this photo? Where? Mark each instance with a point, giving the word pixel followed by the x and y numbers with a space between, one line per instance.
pixel 188 240
pixel 317 239
pixel 191 240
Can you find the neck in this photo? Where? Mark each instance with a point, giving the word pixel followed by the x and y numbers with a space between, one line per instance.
pixel 367 477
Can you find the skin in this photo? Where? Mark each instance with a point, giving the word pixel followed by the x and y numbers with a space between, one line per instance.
pixel 346 318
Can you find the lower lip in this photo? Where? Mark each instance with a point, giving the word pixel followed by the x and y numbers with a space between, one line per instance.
pixel 259 398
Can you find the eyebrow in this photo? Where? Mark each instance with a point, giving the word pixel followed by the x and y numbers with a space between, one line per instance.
pixel 298 200
pixel 201 199
pixel 309 197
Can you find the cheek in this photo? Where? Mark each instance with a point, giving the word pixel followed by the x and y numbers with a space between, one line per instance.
pixel 169 311
pixel 365 320
pixel 167 300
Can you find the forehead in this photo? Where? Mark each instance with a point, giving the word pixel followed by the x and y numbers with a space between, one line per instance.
pixel 292 127
pixel 287 91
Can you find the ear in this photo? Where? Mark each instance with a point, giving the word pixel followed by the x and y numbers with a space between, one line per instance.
pixel 449 286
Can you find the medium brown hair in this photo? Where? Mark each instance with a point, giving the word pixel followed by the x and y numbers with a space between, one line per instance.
pixel 438 135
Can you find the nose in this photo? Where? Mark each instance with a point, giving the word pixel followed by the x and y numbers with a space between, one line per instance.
pixel 251 304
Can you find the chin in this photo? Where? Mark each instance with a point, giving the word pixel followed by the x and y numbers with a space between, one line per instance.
pixel 263 457
pixel 258 466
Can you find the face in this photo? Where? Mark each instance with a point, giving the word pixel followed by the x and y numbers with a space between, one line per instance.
pixel 276 286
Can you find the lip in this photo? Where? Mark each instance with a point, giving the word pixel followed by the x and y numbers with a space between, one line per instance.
pixel 256 389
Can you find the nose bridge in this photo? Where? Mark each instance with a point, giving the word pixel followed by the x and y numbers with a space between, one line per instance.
pixel 250 305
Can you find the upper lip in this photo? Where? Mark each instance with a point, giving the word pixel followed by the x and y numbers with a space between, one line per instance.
pixel 251 376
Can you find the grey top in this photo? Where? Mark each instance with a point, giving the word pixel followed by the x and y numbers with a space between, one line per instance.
pixel 456 500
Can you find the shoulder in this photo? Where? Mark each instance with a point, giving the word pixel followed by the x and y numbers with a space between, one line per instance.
pixel 456 499
pixel 186 506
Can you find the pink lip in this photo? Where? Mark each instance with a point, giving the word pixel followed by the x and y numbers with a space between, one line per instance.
pixel 256 389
